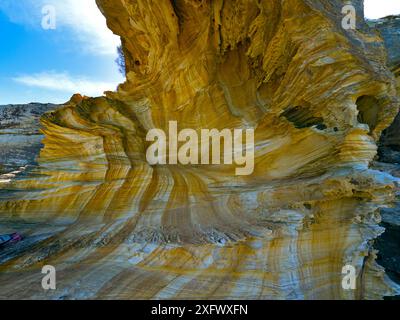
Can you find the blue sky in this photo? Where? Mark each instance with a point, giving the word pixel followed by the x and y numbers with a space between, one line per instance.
pixel 39 65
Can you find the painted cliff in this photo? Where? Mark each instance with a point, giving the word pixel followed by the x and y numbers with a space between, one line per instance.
pixel 318 97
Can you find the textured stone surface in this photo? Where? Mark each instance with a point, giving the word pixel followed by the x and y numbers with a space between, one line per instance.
pixel 389 29
pixel 20 139
pixel 388 244
pixel 115 227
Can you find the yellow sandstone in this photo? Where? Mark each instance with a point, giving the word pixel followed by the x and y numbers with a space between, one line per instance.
pixel 113 226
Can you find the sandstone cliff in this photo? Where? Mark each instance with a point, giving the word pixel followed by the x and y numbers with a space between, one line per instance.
pixel 389 155
pixel 318 97
pixel 389 29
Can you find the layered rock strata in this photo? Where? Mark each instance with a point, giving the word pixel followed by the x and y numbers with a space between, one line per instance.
pixel 318 97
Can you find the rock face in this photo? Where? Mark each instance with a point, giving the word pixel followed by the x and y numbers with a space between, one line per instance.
pixel 318 97
pixel 388 243
pixel 20 140
pixel 389 28
pixel 389 156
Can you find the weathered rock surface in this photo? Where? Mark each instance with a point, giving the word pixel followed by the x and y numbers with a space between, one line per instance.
pixel 388 244
pixel 318 97
pixel 20 139
pixel 389 29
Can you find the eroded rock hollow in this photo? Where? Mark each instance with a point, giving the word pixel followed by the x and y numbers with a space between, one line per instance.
pixel 318 97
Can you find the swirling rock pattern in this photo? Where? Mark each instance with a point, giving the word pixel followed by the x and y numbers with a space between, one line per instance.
pixel 318 97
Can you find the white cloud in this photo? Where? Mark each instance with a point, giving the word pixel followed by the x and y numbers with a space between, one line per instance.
pixel 82 17
pixel 88 23
pixel 63 82
pixel 375 9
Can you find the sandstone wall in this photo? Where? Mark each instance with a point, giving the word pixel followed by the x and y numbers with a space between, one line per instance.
pixel 318 97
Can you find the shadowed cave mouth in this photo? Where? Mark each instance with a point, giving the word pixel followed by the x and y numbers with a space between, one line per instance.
pixel 302 118
pixel 389 253
pixel 368 110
